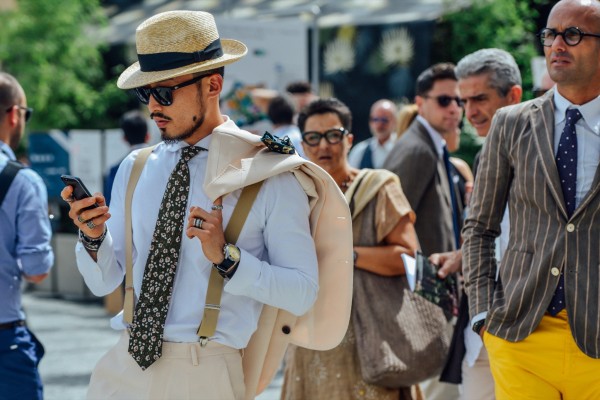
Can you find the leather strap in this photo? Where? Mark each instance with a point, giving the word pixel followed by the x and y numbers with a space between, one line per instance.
pixel 7 175
pixel 136 171
pixel 212 305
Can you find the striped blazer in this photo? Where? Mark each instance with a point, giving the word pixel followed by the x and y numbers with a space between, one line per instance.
pixel 517 162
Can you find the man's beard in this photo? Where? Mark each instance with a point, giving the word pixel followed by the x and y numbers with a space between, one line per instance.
pixel 182 136
pixel 189 132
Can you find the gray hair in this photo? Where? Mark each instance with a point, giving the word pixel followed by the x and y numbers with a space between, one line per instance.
pixel 499 64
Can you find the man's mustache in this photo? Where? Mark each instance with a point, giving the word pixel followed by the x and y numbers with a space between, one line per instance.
pixel 159 115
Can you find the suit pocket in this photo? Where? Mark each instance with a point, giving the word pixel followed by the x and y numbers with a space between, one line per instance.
pixel 515 269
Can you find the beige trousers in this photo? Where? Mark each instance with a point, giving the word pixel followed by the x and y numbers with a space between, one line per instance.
pixel 477 381
pixel 184 371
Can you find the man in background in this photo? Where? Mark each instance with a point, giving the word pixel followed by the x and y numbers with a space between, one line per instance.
pixel 135 132
pixel 25 252
pixel 371 153
pixel 421 160
pixel 281 114
pixel 488 80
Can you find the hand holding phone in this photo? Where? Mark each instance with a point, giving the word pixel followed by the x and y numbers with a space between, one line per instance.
pixel 79 190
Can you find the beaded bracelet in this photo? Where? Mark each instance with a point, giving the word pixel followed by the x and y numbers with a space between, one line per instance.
pixel 91 244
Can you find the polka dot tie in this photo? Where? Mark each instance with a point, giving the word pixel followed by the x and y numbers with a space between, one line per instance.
pixel 566 163
pixel 146 331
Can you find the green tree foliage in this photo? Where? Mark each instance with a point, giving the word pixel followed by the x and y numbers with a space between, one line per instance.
pixel 504 24
pixel 52 47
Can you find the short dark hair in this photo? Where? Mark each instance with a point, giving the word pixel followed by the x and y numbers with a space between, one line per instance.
pixel 436 72
pixel 135 127
pixel 10 92
pixel 281 110
pixel 325 106
pixel 298 87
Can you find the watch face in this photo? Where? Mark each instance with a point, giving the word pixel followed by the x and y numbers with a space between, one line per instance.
pixel 232 252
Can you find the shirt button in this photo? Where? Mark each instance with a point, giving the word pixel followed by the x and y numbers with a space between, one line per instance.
pixel 555 271
pixel 570 228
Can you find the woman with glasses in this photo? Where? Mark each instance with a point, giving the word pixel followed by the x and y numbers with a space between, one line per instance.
pixel 382 230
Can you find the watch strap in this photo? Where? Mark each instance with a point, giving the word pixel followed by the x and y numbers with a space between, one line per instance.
pixel 477 326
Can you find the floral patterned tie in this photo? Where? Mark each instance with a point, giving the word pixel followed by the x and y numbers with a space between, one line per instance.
pixel 145 343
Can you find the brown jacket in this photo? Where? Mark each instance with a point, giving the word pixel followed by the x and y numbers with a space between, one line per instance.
pixel 518 162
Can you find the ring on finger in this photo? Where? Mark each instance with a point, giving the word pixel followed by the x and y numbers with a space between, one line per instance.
pixel 90 224
pixel 198 223
pixel 69 199
pixel 216 207
pixel 80 219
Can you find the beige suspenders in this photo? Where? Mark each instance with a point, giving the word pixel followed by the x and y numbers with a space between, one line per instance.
pixel 212 305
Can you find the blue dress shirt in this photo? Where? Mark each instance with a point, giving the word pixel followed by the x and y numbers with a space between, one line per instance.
pixel 24 236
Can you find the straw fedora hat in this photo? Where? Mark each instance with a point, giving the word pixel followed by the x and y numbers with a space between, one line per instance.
pixel 176 43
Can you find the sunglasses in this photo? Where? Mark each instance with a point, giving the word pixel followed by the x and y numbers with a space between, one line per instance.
pixel 332 136
pixel 163 94
pixel 375 120
pixel 28 111
pixel 572 36
pixel 444 100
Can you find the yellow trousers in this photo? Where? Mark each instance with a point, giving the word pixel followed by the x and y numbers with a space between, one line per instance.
pixel 547 365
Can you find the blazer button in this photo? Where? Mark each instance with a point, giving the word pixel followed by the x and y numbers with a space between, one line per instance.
pixel 286 329
pixel 555 271
pixel 570 228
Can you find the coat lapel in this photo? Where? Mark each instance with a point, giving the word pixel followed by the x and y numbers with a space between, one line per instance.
pixel 441 168
pixel 542 125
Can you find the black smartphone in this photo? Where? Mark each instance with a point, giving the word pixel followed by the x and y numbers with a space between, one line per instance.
pixel 79 189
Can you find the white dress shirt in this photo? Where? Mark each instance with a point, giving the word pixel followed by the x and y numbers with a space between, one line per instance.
pixel 278 264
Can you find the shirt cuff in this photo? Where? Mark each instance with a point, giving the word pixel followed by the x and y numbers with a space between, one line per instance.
pixel 248 272
pixel 478 317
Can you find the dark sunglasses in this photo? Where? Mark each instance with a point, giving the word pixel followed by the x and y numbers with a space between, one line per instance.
pixel 572 36
pixel 332 136
pixel 28 111
pixel 444 101
pixel 163 94
pixel 383 120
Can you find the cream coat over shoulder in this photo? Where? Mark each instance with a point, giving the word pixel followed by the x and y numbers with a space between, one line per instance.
pixel 238 158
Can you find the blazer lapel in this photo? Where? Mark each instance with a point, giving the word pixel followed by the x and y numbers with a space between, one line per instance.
pixel 441 168
pixel 542 125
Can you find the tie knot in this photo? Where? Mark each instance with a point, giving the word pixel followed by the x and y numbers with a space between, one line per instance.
pixel 573 115
pixel 189 152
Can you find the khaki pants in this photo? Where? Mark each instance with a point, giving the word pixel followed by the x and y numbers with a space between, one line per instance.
pixel 477 381
pixel 184 371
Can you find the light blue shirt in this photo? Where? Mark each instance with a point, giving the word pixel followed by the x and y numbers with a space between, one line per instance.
pixel 588 139
pixel 24 236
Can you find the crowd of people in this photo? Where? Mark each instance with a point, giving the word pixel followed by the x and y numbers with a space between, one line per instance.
pixel 240 253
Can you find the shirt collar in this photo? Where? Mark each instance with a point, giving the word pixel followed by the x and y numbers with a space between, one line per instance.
pixel 7 151
pixel 437 139
pixel 590 111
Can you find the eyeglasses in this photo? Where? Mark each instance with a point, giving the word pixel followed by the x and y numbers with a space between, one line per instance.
pixel 28 111
pixel 383 120
pixel 163 94
pixel 444 100
pixel 332 136
pixel 572 36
